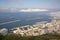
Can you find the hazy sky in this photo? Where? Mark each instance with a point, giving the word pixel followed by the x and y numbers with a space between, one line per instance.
pixel 29 3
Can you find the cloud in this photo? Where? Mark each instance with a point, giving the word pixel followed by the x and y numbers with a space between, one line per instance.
pixel 55 15
pixel 33 10
pixel 22 10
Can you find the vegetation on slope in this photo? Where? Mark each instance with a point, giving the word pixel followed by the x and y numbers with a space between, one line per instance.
pixel 40 37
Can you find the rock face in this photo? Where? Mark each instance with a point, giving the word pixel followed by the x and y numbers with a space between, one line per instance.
pixel 4 31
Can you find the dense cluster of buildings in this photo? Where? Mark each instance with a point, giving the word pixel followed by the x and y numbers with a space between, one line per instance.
pixel 37 29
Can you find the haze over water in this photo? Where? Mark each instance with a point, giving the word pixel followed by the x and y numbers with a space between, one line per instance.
pixel 15 13
pixel 12 20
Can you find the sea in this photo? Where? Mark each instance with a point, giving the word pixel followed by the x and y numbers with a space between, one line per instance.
pixel 17 19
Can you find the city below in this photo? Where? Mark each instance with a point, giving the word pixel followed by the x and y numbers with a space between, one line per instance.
pixel 35 29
